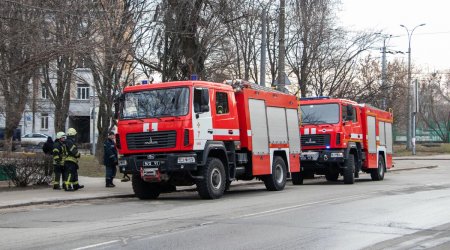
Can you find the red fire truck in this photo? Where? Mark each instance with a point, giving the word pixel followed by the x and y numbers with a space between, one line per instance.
pixel 342 137
pixel 208 134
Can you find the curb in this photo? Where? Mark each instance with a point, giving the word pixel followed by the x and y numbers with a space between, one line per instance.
pixel 409 169
pixel 49 202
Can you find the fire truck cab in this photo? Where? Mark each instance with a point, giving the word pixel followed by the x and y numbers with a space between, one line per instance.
pixel 206 134
pixel 342 137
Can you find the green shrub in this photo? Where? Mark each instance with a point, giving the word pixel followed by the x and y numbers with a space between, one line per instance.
pixel 24 169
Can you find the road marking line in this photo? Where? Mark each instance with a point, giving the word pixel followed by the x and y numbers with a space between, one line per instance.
pixel 302 205
pixel 97 245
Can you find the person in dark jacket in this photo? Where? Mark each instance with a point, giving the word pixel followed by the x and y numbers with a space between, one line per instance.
pixel 110 159
pixel 48 146
pixel 71 162
pixel 59 154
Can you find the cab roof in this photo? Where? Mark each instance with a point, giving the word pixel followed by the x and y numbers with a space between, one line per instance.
pixel 175 84
pixel 325 100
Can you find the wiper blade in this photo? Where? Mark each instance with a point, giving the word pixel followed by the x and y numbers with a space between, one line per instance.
pixel 133 118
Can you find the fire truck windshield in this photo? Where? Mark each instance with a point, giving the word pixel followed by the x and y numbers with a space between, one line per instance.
pixel 155 103
pixel 320 113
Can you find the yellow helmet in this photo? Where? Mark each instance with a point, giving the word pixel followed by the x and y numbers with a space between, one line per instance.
pixel 71 132
pixel 60 135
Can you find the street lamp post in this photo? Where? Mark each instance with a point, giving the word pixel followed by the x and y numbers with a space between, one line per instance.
pixel 94 117
pixel 410 142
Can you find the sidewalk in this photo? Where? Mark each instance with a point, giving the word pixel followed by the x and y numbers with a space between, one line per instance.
pixel 95 187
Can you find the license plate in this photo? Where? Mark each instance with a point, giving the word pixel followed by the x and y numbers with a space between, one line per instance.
pixel 310 156
pixel 149 171
pixel 151 163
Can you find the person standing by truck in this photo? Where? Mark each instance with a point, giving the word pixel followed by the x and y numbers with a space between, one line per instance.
pixel 71 162
pixel 110 159
pixel 59 152
pixel 48 146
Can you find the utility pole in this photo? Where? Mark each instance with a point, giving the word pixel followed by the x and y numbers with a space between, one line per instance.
pixel 93 122
pixel 281 53
pixel 262 78
pixel 415 110
pixel 383 71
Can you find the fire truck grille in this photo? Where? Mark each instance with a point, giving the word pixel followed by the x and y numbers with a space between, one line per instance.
pixel 149 140
pixel 315 140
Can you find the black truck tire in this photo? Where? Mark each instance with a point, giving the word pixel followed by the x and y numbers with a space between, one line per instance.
pixel 349 170
pixel 277 180
pixel 378 174
pixel 332 174
pixel 297 178
pixel 213 183
pixel 145 190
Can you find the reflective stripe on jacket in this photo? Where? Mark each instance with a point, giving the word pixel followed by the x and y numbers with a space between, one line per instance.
pixel 59 153
pixel 72 151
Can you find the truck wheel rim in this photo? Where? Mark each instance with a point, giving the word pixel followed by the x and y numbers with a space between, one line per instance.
pixel 216 179
pixel 278 173
pixel 380 168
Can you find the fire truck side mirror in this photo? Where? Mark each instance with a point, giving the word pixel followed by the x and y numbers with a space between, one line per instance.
pixel 117 101
pixel 116 110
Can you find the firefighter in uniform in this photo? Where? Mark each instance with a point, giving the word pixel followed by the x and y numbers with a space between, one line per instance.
pixel 59 154
pixel 71 162
pixel 110 159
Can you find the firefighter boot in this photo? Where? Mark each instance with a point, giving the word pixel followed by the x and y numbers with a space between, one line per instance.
pixel 77 186
pixel 109 183
pixel 56 187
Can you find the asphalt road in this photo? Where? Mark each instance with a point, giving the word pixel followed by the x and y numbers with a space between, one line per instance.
pixel 408 210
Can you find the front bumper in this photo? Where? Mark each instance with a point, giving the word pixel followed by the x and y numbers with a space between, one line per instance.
pixel 319 158
pixel 165 163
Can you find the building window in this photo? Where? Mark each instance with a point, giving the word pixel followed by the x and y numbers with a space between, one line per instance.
pixel 44 93
pixel 44 121
pixel 83 91
pixel 221 103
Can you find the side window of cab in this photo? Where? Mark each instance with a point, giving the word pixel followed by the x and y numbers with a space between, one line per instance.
pixel 222 106
pixel 349 113
pixel 355 116
pixel 201 100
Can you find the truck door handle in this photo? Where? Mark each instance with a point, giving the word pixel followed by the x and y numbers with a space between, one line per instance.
pixel 210 131
pixel 230 132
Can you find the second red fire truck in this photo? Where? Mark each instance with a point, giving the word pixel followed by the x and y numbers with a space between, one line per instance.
pixel 342 137
pixel 208 134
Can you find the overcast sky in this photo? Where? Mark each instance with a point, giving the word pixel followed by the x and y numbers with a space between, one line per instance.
pixel 430 44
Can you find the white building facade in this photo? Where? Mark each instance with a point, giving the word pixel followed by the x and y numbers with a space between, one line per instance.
pixel 39 114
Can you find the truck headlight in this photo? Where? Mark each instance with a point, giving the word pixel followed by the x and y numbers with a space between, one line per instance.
pixel 183 160
pixel 122 162
pixel 337 155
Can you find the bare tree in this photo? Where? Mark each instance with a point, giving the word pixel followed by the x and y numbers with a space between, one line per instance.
pixel 20 56
pixel 243 25
pixel 190 37
pixel 272 42
pixel 335 69
pixel 435 105
pixel 118 26
pixel 65 34
pixel 310 27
